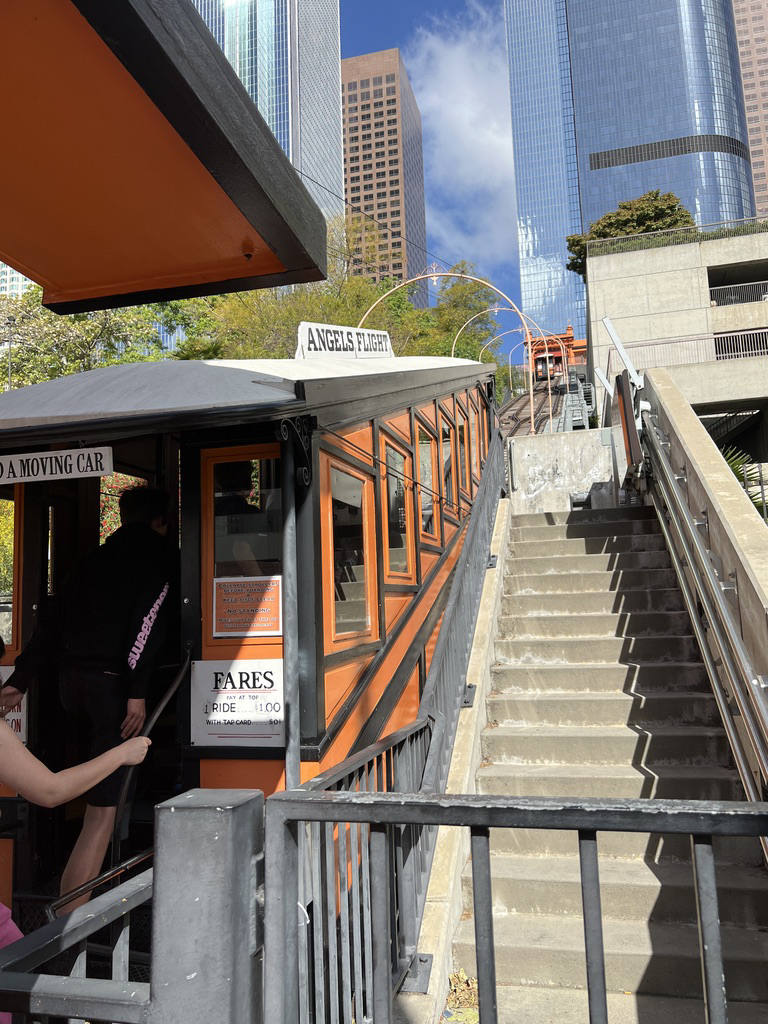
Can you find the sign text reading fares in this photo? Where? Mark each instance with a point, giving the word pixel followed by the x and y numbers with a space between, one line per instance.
pixel 331 339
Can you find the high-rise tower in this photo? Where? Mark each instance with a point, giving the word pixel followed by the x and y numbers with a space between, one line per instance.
pixel 287 53
pixel 610 99
pixel 752 35
pixel 384 168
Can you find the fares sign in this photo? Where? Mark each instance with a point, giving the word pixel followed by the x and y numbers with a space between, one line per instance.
pixel 349 342
pixel 238 703
pixel 59 465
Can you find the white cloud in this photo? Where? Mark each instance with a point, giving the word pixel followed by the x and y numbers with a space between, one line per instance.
pixel 458 70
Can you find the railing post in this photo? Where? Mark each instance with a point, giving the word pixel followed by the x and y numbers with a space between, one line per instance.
pixel 281 930
pixel 205 921
pixel 380 926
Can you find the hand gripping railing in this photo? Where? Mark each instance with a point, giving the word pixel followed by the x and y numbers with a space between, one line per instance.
pixel 742 682
pixel 117 867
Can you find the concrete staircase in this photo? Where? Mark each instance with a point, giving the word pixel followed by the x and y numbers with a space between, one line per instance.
pixel 599 690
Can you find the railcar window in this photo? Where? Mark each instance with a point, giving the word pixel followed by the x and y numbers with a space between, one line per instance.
pixel 428 483
pixel 398 468
pixel 349 562
pixel 248 518
pixel 6 564
pixel 474 433
pixel 447 448
pixel 462 432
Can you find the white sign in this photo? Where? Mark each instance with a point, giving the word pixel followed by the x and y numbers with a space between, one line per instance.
pixel 238 703
pixel 75 462
pixel 333 340
pixel 17 719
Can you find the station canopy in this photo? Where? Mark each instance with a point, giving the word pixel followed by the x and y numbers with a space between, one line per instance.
pixel 135 166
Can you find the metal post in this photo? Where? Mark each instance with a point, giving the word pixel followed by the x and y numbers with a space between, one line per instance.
pixel 10 322
pixel 380 926
pixel 205 936
pixel 710 939
pixel 593 927
pixel 290 619
pixel 483 907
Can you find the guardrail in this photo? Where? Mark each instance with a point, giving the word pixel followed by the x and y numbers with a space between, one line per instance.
pixel 676 236
pixel 206 931
pixel 333 873
pixel 699 348
pixel 736 294
pixel 705 601
pixel 380 817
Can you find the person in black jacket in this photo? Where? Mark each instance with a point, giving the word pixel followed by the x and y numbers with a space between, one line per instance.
pixel 105 633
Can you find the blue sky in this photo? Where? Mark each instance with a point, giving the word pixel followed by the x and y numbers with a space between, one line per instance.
pixel 454 51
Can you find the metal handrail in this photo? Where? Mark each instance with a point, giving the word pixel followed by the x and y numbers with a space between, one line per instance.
pixel 339 933
pixel 383 814
pixel 748 687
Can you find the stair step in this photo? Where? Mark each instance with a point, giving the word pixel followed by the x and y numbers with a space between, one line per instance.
pixel 609 650
pixel 586 515
pixel 603 709
pixel 541 843
pixel 541 580
pixel 673 677
pixel 667 599
pixel 524 745
pixel 531 1005
pixel 630 890
pixel 609 624
pixel 564 531
pixel 578 780
pixel 604 562
pixel 525 547
pixel 658 959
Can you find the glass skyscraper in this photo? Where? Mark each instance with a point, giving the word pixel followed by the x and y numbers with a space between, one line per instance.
pixel 610 99
pixel 287 53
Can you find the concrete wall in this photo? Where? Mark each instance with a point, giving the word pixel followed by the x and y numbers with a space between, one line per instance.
pixel 664 293
pixel 730 382
pixel 545 470
pixel 737 535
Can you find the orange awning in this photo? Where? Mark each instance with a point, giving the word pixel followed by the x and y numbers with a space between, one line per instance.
pixel 136 167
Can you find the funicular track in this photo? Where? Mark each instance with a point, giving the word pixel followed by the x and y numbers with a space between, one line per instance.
pixel 515 418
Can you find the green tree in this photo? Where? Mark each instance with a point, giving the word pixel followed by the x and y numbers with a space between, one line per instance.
pixel 653 211
pixel 41 345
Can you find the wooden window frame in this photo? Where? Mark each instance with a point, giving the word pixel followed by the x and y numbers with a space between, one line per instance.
pixel 221 646
pixel 333 641
pixel 449 503
pixel 426 537
pixel 385 441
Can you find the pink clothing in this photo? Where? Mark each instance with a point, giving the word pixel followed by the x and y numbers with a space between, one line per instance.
pixel 8 933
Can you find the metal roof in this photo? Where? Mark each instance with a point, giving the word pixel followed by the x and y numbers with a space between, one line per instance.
pixel 138 397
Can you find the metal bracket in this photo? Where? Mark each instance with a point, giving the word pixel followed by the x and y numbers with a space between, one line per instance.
pixel 300 429
pixel 417 978
pixel 493 561
pixel 468 700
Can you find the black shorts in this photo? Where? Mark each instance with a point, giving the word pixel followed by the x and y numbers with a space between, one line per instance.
pixel 97 701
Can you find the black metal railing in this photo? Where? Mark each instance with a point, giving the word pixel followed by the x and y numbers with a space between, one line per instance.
pixel 338 942
pixel 377 818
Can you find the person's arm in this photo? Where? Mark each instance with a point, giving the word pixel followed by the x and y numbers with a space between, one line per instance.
pixel 21 770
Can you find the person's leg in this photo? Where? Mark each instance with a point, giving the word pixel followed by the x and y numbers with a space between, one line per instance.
pixel 87 857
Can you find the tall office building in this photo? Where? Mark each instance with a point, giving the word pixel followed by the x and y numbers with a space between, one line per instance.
pixel 384 168
pixel 12 282
pixel 610 99
pixel 287 54
pixel 752 35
